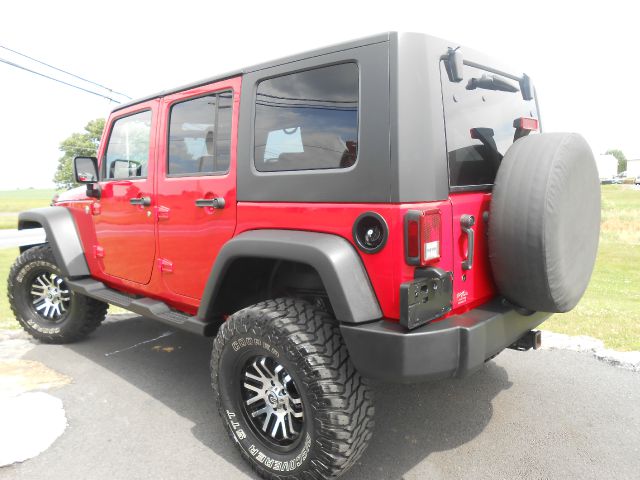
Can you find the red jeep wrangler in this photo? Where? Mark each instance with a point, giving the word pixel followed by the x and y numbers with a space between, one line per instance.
pixel 384 208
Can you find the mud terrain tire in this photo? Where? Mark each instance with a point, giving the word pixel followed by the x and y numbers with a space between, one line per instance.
pixel 36 271
pixel 334 403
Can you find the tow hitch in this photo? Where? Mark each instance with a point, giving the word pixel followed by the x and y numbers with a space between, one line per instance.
pixel 531 339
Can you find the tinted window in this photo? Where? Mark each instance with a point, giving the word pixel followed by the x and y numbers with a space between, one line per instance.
pixel 200 135
pixel 308 120
pixel 479 124
pixel 128 149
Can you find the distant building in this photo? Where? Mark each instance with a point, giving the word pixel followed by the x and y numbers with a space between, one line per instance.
pixel 633 167
pixel 607 166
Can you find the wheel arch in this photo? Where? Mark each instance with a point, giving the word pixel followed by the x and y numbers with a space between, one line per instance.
pixel 332 258
pixel 61 234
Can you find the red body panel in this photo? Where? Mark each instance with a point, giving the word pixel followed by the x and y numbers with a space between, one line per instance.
pixel 126 232
pixel 387 269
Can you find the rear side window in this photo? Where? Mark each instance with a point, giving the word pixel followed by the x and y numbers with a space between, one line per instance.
pixel 127 153
pixel 200 135
pixel 479 123
pixel 308 120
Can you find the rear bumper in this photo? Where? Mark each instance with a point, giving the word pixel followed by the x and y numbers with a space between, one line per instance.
pixel 453 347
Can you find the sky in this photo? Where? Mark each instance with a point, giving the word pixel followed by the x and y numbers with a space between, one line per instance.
pixel 580 55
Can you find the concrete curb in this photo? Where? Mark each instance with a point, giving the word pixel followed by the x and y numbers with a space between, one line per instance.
pixel 31 422
pixel 30 419
pixel 592 346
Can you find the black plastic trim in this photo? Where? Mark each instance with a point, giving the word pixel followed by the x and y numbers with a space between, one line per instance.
pixel 428 297
pixel 60 228
pixel 147 307
pixel 471 188
pixel 334 258
pixel 492 70
pixel 453 347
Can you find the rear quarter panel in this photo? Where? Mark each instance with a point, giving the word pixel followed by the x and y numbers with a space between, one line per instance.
pixel 387 268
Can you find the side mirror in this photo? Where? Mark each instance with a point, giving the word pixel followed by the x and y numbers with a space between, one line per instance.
pixel 526 87
pixel 454 65
pixel 85 169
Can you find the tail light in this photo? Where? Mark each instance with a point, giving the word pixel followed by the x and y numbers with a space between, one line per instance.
pixel 422 237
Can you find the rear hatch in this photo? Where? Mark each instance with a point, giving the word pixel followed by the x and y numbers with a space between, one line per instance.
pixel 484 114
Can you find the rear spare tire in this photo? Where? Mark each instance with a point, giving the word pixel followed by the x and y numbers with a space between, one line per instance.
pixel 545 221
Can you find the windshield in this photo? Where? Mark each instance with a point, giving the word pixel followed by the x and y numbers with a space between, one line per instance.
pixel 479 119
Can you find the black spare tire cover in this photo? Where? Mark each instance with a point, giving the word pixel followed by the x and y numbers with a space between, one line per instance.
pixel 544 221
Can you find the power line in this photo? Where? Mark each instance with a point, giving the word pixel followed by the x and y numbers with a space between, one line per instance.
pixel 57 80
pixel 64 71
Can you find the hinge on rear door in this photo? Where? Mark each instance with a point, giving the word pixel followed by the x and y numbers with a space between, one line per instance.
pixel 165 265
pixel 98 251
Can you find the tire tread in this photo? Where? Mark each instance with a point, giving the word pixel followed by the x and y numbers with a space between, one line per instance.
pixel 93 311
pixel 342 399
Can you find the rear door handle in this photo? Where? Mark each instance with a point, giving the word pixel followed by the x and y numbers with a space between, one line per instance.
pixel 144 201
pixel 467 222
pixel 217 202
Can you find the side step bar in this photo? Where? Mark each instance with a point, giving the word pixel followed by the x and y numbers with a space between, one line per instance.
pixel 147 307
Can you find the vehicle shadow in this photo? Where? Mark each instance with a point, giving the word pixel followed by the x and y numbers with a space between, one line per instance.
pixel 412 421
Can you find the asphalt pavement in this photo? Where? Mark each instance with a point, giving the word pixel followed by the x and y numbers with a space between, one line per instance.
pixel 139 406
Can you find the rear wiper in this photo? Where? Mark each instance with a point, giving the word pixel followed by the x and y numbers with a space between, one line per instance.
pixel 491 83
pixel 485 135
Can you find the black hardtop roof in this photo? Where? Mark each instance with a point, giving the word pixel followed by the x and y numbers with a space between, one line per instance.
pixel 379 38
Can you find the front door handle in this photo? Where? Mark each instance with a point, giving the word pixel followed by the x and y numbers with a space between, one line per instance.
pixel 144 201
pixel 467 222
pixel 217 202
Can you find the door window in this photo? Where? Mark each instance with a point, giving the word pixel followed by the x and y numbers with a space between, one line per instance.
pixel 200 135
pixel 127 154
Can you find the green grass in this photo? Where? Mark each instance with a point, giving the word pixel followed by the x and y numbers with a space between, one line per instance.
pixel 8 221
pixel 14 201
pixel 610 308
pixel 18 200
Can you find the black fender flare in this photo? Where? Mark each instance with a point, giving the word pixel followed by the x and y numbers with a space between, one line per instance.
pixel 62 235
pixel 334 258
